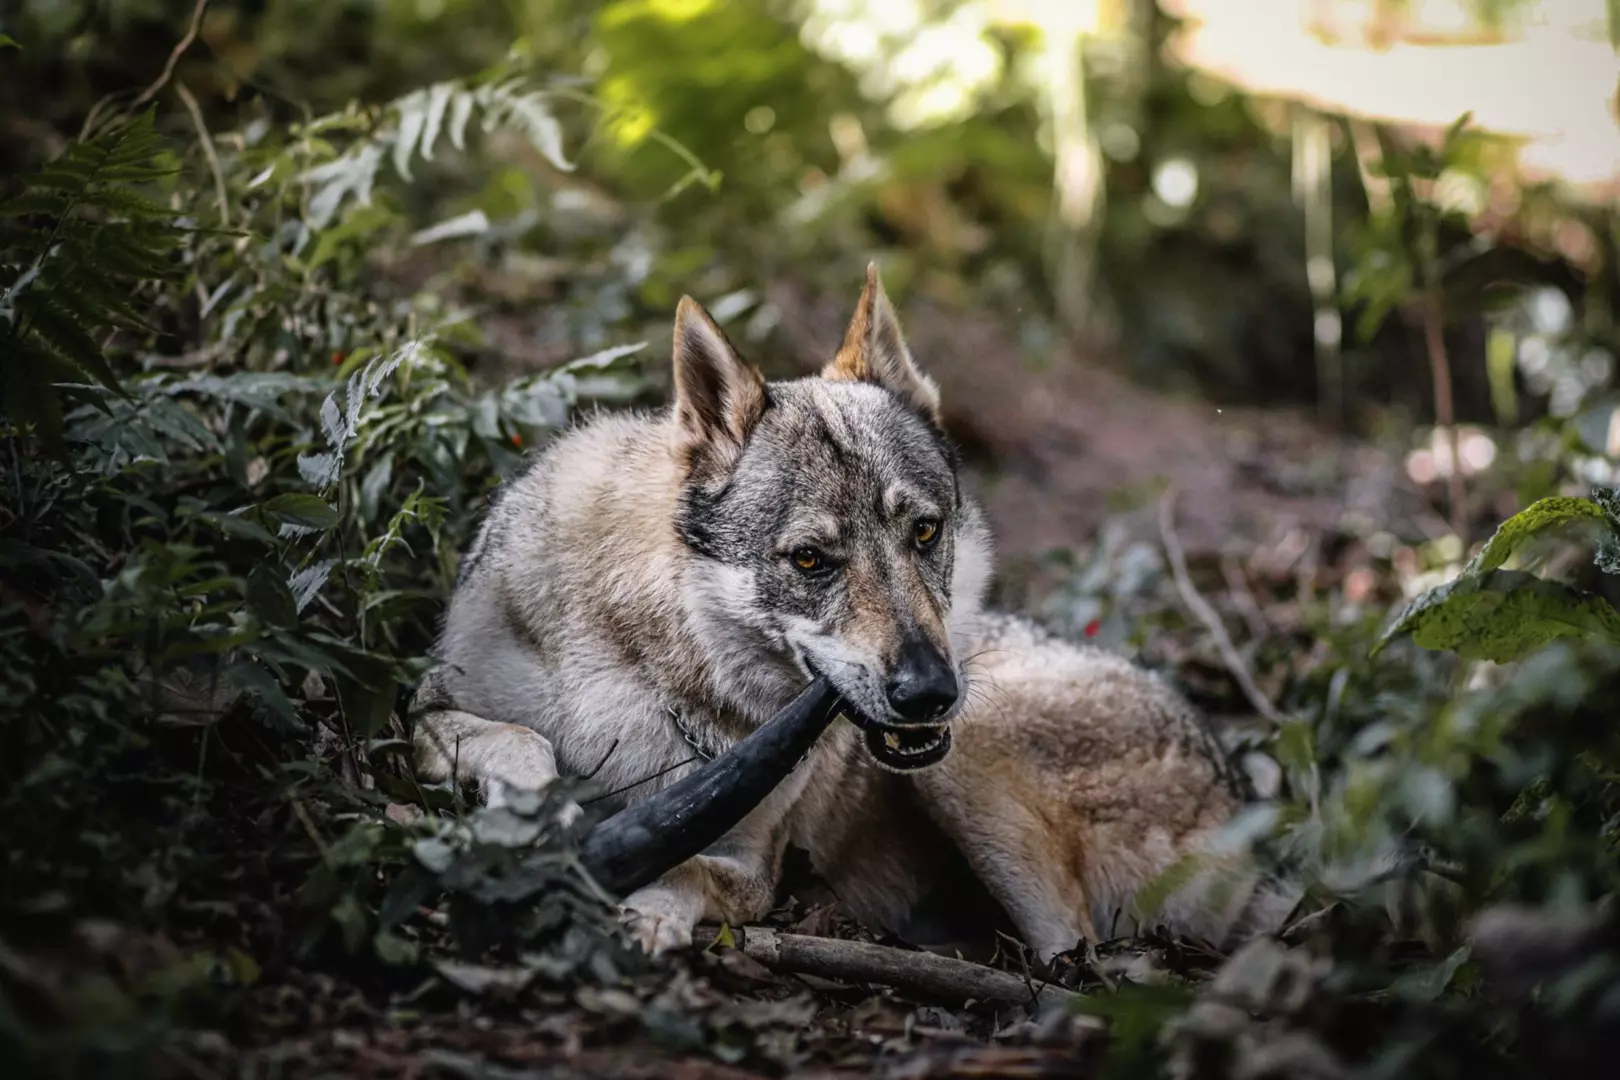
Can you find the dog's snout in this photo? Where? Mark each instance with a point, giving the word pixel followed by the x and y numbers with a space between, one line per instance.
pixel 923 686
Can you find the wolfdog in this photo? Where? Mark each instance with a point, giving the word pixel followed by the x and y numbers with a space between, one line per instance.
pixel 653 587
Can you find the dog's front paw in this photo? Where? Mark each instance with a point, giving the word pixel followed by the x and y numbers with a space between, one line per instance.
pixel 525 767
pixel 498 793
pixel 657 934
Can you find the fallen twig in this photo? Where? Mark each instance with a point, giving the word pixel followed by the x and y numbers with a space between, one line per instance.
pixel 1207 615
pixel 920 973
pixel 1238 586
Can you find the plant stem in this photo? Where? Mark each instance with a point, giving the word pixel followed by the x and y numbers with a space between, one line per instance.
pixel 1444 412
pixel 174 56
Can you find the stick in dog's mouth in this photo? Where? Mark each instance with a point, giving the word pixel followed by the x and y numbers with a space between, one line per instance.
pixel 647 839
pixel 643 841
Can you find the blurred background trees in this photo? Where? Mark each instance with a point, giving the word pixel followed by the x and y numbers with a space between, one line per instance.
pixel 1088 164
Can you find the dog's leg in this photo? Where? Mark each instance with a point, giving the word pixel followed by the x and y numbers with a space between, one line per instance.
pixel 661 916
pixel 733 882
pixel 1012 850
pixel 1044 898
pixel 494 756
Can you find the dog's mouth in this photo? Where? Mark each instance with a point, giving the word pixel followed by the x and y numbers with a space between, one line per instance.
pixel 897 747
pixel 902 747
pixel 906 749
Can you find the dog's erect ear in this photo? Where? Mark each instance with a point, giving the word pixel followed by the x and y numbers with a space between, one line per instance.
pixel 718 396
pixel 875 351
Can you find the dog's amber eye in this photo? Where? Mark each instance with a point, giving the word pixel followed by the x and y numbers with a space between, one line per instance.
pixel 927 532
pixel 807 559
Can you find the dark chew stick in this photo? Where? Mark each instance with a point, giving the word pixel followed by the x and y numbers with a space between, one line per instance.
pixel 641 843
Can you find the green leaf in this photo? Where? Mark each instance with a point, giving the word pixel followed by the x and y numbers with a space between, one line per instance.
pixel 8 42
pixel 28 393
pixel 351 919
pixel 235 525
pixel 1537 518
pixel 259 682
pixel 366 708
pixel 1137 1015
pixel 1457 136
pixel 410 889
pixel 1150 898
pixel 1295 745
pixel 245 970
pixel 269 596
pixel 310 511
pixel 394 950
pixel 1503 615
pixel 1427 984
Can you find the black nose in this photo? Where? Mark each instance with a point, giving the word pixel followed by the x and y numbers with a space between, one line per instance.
pixel 923 685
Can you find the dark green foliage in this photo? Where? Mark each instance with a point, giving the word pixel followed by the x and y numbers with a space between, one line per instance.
pixel 1402 251
pixel 80 243
pixel 216 598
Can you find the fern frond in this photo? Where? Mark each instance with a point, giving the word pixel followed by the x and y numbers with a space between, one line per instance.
pixel 100 303
pixel 125 253
pixel 86 171
pixel 410 130
pixel 62 330
pixel 128 204
pixel 28 376
pixel 97 241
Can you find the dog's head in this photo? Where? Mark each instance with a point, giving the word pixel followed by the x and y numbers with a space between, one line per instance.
pixel 828 524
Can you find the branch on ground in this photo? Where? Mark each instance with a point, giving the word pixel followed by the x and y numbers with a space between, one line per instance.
pixel 921 974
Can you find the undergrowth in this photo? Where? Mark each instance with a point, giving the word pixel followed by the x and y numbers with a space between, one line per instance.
pixel 239 468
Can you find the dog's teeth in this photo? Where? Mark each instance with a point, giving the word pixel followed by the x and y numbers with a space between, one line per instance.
pixel 892 741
